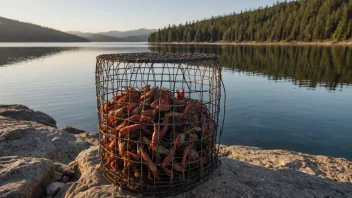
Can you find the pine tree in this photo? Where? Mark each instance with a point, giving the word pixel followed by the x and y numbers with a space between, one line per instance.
pixel 319 26
pixel 214 34
pixel 341 30
pixel 349 30
pixel 197 37
pixel 300 20
pixel 189 37
pixel 157 36
pixel 328 28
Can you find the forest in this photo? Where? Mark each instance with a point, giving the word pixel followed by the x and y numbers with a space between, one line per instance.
pixel 301 20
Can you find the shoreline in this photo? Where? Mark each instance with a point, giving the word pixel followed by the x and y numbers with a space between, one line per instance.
pixel 295 43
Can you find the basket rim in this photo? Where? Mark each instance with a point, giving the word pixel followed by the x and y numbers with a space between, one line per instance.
pixel 151 57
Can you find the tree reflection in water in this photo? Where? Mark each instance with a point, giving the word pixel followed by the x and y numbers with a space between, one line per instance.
pixel 305 66
pixel 12 55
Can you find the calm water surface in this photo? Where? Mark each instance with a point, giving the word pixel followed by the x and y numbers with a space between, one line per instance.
pixel 278 97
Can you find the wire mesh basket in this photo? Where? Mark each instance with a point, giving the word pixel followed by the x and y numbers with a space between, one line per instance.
pixel 158 120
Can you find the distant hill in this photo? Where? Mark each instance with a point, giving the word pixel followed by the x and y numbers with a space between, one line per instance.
pixel 80 34
pixel 301 20
pixel 16 31
pixel 101 38
pixel 140 38
pixel 122 34
pixel 140 35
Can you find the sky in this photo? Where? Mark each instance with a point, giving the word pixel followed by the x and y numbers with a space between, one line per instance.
pixel 107 15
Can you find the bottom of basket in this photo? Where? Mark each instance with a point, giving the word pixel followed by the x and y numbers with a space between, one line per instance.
pixel 162 187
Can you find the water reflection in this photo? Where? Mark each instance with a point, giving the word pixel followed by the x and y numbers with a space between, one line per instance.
pixel 305 66
pixel 12 55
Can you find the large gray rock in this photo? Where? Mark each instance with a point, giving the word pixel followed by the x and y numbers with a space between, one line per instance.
pixel 240 179
pixel 31 139
pixel 33 136
pixel 92 138
pixel 233 179
pixel 87 169
pixel 53 188
pixel 338 169
pixel 20 112
pixel 72 130
pixel 24 176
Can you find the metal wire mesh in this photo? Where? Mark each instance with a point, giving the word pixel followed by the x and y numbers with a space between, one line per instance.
pixel 158 120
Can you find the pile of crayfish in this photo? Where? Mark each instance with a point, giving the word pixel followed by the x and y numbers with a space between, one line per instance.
pixel 153 134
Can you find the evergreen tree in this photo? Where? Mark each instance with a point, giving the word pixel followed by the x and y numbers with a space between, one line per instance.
pixel 349 30
pixel 158 36
pixel 197 37
pixel 341 30
pixel 300 20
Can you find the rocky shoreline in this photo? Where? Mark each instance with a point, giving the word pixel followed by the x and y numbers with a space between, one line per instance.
pixel 39 160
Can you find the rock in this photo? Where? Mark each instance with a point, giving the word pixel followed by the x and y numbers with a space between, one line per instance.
pixel 14 106
pixel 53 188
pixel 318 165
pixel 233 179
pixel 245 171
pixel 69 173
pixel 20 112
pixel 60 167
pixel 240 179
pixel 58 176
pixel 104 191
pixel 24 176
pixel 30 139
pixel 90 137
pixel 72 130
pixel 65 179
pixel 90 175
pixel 62 191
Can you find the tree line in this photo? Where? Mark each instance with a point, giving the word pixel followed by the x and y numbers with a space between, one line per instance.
pixel 301 20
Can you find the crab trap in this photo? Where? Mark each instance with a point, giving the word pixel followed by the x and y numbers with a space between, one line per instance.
pixel 158 120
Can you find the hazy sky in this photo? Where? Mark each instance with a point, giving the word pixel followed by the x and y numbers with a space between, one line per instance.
pixel 104 15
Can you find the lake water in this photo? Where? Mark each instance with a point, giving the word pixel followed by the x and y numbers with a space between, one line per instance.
pixel 278 97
